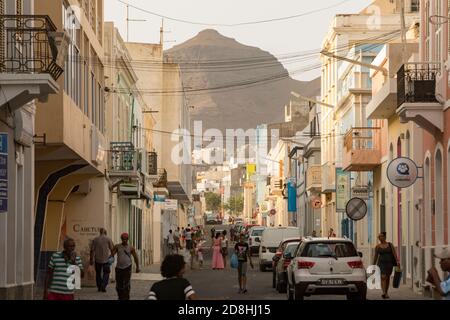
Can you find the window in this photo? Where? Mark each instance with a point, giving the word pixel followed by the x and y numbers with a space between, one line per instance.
pixel 329 249
pixel 86 87
pixel 427 32
pixel 438 195
pixel 93 98
pixel 439 32
pixel 72 65
pixel 427 202
pixel 415 5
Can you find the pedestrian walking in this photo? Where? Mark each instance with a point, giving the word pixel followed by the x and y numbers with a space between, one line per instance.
pixel 213 233
pixel 217 260
pixel 224 247
pixel 200 250
pixel 314 234
pixel 101 250
pixel 386 259
pixel 124 266
pixel 442 286
pixel 176 236
pixel 171 242
pixel 183 236
pixel 174 286
pixel 61 267
pixel 242 251
pixel 232 233
pixel 190 246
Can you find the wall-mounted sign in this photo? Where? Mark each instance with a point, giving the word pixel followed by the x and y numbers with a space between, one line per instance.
pixel 343 189
pixel 273 212
pixel 356 209
pixel 402 172
pixel 3 172
pixel 171 204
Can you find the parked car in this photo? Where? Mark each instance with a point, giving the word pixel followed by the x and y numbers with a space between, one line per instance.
pixel 281 262
pixel 327 266
pixel 270 241
pixel 254 239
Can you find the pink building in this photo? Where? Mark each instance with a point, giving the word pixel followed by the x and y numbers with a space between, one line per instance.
pixel 424 99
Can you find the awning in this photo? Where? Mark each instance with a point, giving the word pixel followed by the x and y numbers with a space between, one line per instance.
pixel 177 192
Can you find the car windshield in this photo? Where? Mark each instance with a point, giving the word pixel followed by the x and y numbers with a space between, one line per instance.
pixel 291 247
pixel 329 249
pixel 257 232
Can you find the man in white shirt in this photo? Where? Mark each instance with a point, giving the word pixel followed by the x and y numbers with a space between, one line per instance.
pixel 442 286
pixel 171 242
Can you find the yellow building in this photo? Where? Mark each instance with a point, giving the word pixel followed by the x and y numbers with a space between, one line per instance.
pixel 350 46
pixel 396 210
pixel 71 126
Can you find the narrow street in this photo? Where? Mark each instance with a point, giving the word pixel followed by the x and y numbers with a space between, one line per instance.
pixel 222 285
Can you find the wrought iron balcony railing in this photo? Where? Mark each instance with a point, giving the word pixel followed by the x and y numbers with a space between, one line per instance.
pixel 124 157
pixel 416 82
pixel 28 45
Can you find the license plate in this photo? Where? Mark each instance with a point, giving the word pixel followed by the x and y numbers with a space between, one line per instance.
pixel 332 282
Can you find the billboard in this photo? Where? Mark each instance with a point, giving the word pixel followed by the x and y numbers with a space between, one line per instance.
pixel 343 189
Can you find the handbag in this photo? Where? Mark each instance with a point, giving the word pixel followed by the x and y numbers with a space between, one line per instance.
pixel 234 261
pixel 397 277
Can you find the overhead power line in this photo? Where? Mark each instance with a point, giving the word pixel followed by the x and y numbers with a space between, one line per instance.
pixel 208 24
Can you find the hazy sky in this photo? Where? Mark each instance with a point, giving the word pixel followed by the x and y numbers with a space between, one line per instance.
pixel 280 37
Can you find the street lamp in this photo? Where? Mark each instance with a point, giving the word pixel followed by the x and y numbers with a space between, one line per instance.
pixel 299 96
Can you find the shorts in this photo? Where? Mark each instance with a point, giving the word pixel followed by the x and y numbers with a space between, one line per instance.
pixel 242 268
pixel 59 296
pixel 189 245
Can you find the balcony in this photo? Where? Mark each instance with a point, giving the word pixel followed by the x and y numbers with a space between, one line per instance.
pixel 314 178
pixel 416 96
pixel 276 186
pixel 328 178
pixel 162 179
pixel 30 55
pixel 124 160
pixel 361 149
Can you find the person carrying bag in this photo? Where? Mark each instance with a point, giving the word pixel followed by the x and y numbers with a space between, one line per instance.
pixel 397 270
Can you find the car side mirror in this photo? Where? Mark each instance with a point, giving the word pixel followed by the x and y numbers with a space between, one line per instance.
pixel 288 255
pixel 360 254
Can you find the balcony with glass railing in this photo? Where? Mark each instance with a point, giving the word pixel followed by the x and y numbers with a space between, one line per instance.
pixel 362 150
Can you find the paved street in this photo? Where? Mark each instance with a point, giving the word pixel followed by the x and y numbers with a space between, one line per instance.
pixel 222 285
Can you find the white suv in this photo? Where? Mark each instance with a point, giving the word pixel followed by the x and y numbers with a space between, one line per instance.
pixel 327 266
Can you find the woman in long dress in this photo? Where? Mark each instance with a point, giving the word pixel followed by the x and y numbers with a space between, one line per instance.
pixel 217 260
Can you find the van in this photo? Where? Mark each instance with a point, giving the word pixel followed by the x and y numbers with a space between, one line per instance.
pixel 255 234
pixel 270 240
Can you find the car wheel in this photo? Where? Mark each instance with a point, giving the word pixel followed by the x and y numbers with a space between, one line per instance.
pixel 297 294
pixel 289 294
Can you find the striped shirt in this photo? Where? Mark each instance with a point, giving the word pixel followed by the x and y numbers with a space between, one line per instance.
pixel 171 289
pixel 63 270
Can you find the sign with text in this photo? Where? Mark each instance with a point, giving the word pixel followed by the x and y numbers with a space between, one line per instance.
pixel 402 172
pixel 171 204
pixel 3 172
pixel 343 189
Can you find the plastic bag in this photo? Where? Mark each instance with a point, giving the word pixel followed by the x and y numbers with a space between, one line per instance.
pixel 234 261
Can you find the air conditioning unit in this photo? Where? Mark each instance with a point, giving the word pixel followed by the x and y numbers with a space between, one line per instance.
pixel 83 189
pixel 24 129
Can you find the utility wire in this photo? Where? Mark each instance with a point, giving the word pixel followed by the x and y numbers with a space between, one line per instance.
pixel 233 24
